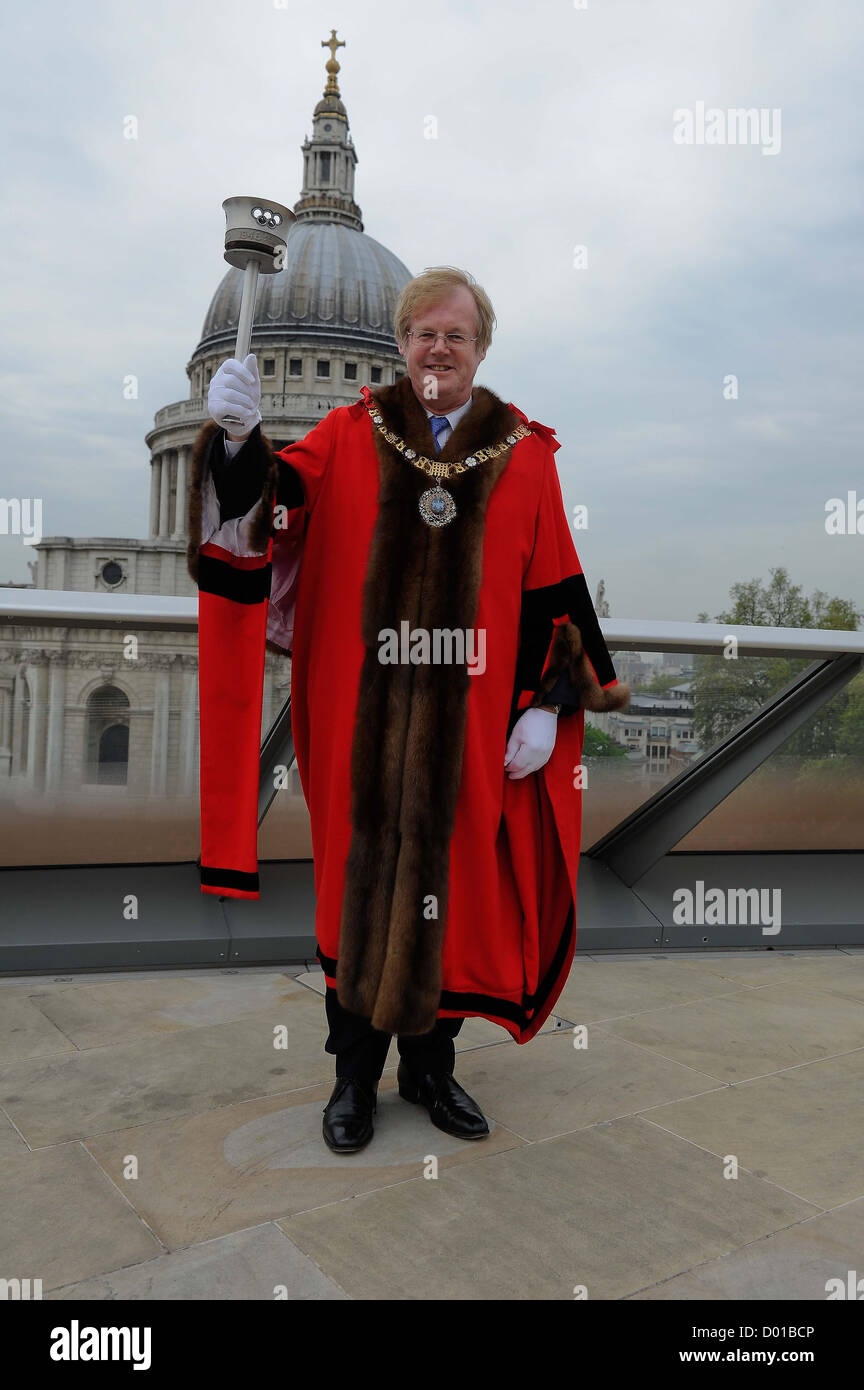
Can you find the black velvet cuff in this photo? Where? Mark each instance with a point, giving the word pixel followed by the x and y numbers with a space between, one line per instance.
pixel 239 481
pixel 563 694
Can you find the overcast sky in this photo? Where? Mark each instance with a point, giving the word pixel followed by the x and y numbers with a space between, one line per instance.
pixel 555 130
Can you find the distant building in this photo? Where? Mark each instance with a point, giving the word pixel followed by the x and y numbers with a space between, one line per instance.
pixel 656 730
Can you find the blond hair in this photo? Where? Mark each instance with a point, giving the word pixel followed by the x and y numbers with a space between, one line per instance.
pixel 433 284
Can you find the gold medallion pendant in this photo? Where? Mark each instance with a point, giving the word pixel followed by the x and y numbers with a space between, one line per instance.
pixel 437 506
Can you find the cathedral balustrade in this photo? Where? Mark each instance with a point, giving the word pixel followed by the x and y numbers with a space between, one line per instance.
pixel 309 406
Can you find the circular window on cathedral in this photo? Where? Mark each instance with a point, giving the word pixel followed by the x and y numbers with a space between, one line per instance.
pixel 327 125
pixel 112 573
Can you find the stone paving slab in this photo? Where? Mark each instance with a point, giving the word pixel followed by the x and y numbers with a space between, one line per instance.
pixel 792 1265
pixel 843 977
pixel 751 1032
pixel 801 1128
pixel 261 1263
pixel 102 1013
pixel 76 1095
pixel 62 1219
pixel 548 1087
pixel 11 1142
pixel 26 1031
pixel 823 970
pixel 720 954
pixel 49 981
pixel 612 1208
pixel 598 990
pixel 207 1174
pixel 237 1192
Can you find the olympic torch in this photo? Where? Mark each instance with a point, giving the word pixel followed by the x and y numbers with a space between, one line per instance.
pixel 255 236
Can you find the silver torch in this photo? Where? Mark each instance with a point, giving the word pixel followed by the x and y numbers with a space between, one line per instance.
pixel 255 236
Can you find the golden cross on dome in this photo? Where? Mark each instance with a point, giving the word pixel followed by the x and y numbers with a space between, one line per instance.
pixel 332 43
pixel 332 87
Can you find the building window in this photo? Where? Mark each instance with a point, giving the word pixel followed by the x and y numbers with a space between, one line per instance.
pixel 325 166
pixel 397 375
pixel 207 376
pixel 111 573
pixel 295 366
pixel 269 366
pixel 322 367
pixel 375 374
pixel 107 735
pixel 350 371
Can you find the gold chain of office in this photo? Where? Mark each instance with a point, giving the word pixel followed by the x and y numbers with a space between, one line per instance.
pixel 434 467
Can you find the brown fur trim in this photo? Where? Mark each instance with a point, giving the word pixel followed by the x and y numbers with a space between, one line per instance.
pixel 261 522
pixel 408 746
pixel 567 658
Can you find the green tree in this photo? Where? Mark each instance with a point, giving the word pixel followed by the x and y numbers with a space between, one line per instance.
pixel 850 732
pixel 599 745
pixel 727 691
pixel 661 683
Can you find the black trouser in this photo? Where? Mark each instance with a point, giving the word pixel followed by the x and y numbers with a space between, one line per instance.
pixel 361 1050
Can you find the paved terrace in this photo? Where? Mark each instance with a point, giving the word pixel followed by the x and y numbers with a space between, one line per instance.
pixel 604 1168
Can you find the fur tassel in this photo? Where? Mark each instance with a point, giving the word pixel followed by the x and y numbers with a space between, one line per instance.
pixel 567 657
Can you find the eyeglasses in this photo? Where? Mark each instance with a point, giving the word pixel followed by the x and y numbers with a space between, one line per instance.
pixel 427 338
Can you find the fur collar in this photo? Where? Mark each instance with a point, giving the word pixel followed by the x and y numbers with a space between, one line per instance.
pixel 487 422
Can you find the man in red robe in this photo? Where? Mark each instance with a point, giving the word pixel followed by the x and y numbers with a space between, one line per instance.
pixel 416 543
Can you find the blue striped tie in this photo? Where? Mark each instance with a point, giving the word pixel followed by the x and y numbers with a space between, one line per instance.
pixel 439 423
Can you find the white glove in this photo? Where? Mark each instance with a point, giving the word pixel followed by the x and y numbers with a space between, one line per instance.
pixel 531 742
pixel 236 390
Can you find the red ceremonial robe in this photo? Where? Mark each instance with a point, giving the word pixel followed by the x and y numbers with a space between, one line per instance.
pixel 444 888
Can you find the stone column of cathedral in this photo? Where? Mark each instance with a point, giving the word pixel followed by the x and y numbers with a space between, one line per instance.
pixel 6 689
pixel 19 751
pixel 159 747
pixel 179 506
pixel 56 710
pixel 155 488
pixel 38 679
pixel 164 495
pixel 188 733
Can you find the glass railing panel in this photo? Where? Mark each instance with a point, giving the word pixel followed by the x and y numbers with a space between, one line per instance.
pixel 99 748
pixel 807 795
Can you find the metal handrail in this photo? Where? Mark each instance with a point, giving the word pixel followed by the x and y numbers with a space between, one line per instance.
pixel 71 607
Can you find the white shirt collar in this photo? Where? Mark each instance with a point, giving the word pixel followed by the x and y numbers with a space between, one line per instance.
pixel 454 416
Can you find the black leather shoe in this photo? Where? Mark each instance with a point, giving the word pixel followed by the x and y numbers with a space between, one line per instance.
pixel 450 1108
pixel 347 1124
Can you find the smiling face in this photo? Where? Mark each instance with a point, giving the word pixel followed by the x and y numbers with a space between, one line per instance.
pixel 441 374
